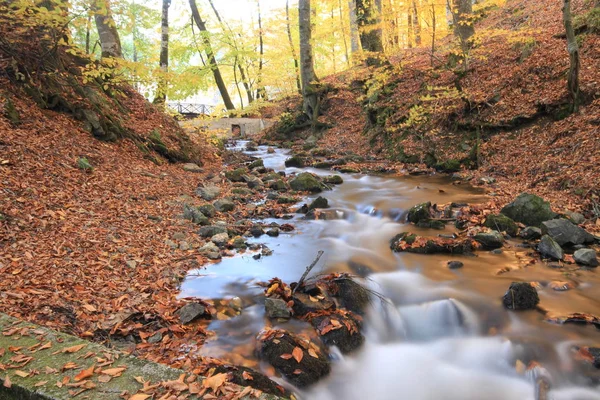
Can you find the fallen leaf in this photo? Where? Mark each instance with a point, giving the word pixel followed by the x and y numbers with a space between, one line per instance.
pixel 7 383
pixel 86 373
pixel 286 356
pixel 139 396
pixel 297 354
pixel 72 349
pixel 215 382
pixel 247 376
pixel 22 374
pixel 40 383
pixel 313 353
pixel 114 372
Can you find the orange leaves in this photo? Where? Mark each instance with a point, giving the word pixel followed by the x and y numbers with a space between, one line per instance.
pixel 72 349
pixel 113 372
pixel 297 353
pixel 214 382
pixel 247 376
pixel 84 374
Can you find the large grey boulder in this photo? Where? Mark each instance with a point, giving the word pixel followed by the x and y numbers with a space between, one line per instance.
pixel 209 192
pixel 529 209
pixel 420 212
pixel 194 215
pixel 211 230
pixel 565 233
pixel 277 308
pixel 550 249
pixel 586 257
pixel 501 223
pixel 531 233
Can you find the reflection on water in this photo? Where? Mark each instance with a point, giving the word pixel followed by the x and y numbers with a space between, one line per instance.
pixel 438 333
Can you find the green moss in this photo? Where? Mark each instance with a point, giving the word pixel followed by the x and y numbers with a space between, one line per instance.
pixel 11 112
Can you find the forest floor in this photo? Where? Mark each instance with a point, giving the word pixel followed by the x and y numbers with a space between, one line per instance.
pixel 516 93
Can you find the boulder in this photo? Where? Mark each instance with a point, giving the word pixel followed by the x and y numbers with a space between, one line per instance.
pixel 256 164
pixel 333 180
pixel 550 249
pixel 455 264
pixel 419 213
pixel 586 257
pixel 270 150
pixel 295 161
pixel 237 175
pixel 278 185
pixel 277 308
pixel 490 240
pixel 575 217
pixel 211 230
pixel 193 214
pixel 220 239
pixel 208 209
pixel 273 232
pixel 224 205
pixel 306 182
pixel 191 167
pixel 257 230
pixel 530 233
pixel 351 295
pixel 282 350
pixel 304 303
pixel 529 209
pixel 339 328
pixel 565 233
pixel 520 296
pixel 208 193
pixel 501 223
pixel 319 202
pixel 191 312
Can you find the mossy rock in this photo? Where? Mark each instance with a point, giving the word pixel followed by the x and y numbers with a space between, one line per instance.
pixel 501 223
pixel 448 166
pixel 237 175
pixel 419 212
pixel 295 161
pixel 319 202
pixel 529 209
pixel 431 224
pixel 306 182
pixel 256 164
pixel 333 180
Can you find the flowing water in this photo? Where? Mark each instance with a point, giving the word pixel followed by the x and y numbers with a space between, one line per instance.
pixel 435 333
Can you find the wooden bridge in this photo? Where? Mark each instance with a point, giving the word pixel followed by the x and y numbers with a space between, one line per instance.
pixel 191 110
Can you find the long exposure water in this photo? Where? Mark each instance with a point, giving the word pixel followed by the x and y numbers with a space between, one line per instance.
pixel 435 333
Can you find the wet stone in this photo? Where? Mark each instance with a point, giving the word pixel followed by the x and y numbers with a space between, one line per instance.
pixel 211 230
pixel 224 205
pixel 530 233
pixel 455 264
pixel 276 308
pixel 208 209
pixel 273 232
pixel 341 329
pixel 501 223
pixel 586 257
pixel 239 243
pixel 257 230
pixel 304 303
pixel 520 296
pixel 419 212
pixel 490 240
pixel 220 239
pixel 529 209
pixel 319 202
pixel 190 312
pixel 550 249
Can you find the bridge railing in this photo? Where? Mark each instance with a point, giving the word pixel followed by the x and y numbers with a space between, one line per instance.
pixel 191 108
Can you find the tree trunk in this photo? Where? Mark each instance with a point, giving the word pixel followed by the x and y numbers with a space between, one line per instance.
pixel 347 55
pixel 417 23
pixel 236 47
pixel 355 47
pixel 462 11
pixel 107 30
pixel 294 56
pixel 161 91
pixel 368 14
pixel 573 49
pixel 260 89
pixel 212 62
pixel 307 69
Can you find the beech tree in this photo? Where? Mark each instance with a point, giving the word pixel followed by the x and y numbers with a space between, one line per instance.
pixel 307 69
pixel 368 14
pixel 294 56
pixel 573 49
pixel 107 30
pixel 212 61
pixel 462 11
pixel 161 92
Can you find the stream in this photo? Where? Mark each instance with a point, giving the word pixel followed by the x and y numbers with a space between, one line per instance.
pixel 435 333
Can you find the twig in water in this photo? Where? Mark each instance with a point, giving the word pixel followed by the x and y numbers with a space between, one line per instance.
pixel 308 269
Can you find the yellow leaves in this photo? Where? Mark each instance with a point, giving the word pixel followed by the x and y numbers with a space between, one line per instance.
pixel 313 353
pixel 139 396
pixel 286 356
